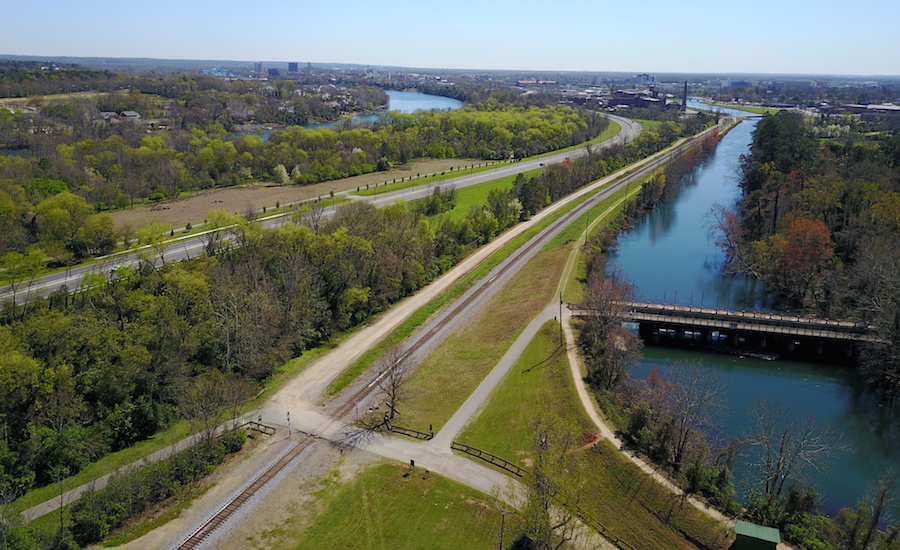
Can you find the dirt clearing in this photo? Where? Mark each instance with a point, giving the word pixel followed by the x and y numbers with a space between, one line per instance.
pixel 193 209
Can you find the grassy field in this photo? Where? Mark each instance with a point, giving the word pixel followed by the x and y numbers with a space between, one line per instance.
pixel 385 508
pixel 648 124
pixel 624 499
pixel 476 195
pixel 451 373
pixel 539 381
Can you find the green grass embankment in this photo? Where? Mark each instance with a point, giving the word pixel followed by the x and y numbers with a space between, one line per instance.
pixel 385 508
pixel 627 501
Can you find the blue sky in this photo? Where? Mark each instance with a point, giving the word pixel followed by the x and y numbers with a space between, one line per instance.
pixel 767 36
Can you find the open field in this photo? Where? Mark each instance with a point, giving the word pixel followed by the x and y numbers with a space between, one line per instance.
pixel 193 209
pixel 539 383
pixel 426 179
pixel 476 195
pixel 386 508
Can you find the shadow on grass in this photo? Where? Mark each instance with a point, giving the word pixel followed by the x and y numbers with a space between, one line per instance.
pixel 544 362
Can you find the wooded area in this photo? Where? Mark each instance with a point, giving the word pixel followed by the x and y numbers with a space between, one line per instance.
pixel 86 373
pixel 819 223
pixel 78 165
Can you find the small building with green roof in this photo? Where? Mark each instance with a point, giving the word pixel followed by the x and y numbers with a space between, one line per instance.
pixel 754 537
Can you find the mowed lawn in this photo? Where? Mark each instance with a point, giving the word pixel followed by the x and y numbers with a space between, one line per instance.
pixel 476 195
pixel 628 502
pixel 445 379
pixel 384 508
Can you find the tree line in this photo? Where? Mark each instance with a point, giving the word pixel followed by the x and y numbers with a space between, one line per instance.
pixel 819 223
pixel 672 419
pixel 54 199
pixel 83 374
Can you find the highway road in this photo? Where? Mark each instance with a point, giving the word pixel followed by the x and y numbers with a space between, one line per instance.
pixel 304 402
pixel 193 246
pixel 321 417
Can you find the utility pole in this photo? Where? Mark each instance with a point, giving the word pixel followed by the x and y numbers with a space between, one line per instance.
pixel 560 320
pixel 503 513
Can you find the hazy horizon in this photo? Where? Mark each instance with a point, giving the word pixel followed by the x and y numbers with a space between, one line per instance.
pixel 797 38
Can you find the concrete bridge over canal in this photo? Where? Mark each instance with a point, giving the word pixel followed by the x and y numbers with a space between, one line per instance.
pixel 776 333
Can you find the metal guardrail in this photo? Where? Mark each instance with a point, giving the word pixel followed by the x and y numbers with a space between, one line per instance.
pixel 425 436
pixel 488 457
pixel 790 325
pixel 262 428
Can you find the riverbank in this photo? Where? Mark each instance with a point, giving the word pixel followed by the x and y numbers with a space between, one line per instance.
pixel 862 430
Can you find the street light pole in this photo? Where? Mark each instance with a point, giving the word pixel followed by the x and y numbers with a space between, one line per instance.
pixel 560 320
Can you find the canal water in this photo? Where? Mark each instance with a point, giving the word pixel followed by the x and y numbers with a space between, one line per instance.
pixel 403 102
pixel 669 257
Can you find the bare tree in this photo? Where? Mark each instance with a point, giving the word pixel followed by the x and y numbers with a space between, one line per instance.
pixel 692 403
pixel 8 519
pixel 204 403
pixel 394 370
pixel 606 344
pixel 312 216
pixel 788 446
pixel 554 487
pixel 860 527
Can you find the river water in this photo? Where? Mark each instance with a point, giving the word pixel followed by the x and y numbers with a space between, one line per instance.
pixel 669 257
pixel 403 102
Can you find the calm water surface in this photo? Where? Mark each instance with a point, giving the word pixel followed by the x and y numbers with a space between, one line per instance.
pixel 404 102
pixel 669 257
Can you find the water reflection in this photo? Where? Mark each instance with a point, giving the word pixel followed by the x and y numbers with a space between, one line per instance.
pixel 669 257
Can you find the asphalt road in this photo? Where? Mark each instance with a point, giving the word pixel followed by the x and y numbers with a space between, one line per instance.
pixel 193 246
pixel 304 396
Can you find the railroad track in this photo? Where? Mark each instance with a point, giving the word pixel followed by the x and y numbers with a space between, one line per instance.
pixel 195 539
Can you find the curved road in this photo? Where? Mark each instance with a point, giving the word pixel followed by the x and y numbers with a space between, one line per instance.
pixel 302 395
pixel 300 402
pixel 193 246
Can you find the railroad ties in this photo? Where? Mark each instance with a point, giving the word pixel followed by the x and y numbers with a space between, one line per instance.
pixel 197 537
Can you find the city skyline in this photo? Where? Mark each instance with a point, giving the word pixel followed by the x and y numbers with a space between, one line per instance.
pixel 800 38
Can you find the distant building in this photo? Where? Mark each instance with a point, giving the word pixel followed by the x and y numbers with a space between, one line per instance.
pixel 888 109
pixel 754 537
pixel 257 67
pixel 132 116
pixel 638 99
pixel 274 72
pixel 292 67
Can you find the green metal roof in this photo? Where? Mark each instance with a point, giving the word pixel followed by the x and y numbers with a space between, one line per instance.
pixel 767 534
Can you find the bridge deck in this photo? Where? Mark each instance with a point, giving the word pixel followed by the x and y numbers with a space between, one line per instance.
pixel 746 321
